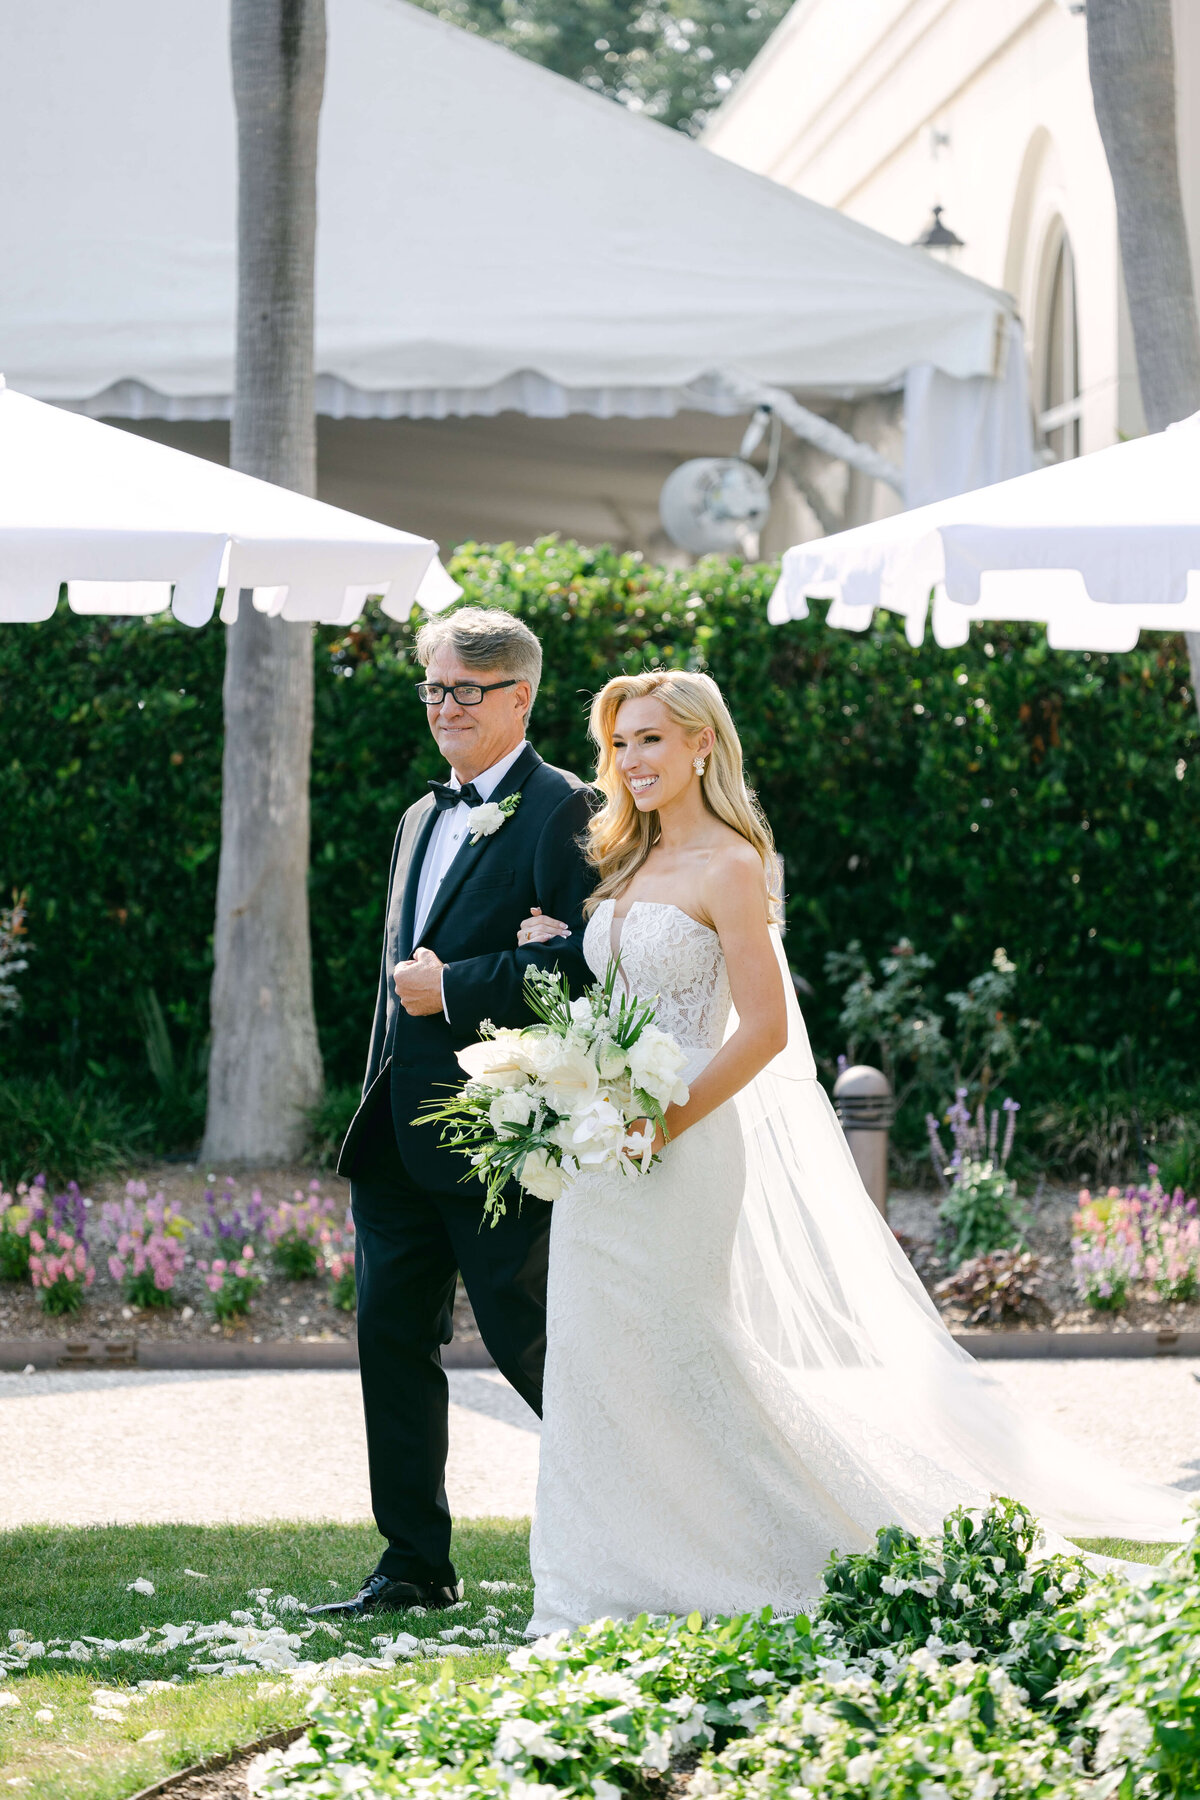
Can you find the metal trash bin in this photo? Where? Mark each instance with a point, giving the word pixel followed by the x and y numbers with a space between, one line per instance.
pixel 864 1103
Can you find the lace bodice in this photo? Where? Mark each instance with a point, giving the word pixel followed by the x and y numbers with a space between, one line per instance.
pixel 671 959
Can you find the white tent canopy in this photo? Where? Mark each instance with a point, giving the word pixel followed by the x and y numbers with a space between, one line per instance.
pixel 1099 549
pixel 134 527
pixel 491 237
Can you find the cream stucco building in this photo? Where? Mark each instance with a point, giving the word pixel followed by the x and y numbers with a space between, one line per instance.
pixel 887 108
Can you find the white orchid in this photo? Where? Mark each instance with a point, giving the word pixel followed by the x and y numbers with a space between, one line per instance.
pixel 544 1104
pixel 598 1134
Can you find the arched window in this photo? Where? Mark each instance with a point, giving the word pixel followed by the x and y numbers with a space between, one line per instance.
pixel 1059 404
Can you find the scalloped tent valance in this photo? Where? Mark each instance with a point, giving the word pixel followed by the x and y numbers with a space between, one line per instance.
pixel 1098 549
pixel 133 527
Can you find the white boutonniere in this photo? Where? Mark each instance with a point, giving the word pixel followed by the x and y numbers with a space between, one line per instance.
pixel 484 821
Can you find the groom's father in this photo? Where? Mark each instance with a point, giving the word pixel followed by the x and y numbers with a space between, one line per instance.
pixel 461 881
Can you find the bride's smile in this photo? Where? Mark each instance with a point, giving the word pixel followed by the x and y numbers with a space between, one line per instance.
pixel 656 756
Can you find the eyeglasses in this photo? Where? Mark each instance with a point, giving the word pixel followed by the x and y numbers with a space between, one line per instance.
pixel 467 693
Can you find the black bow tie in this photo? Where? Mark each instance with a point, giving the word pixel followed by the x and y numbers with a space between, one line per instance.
pixel 447 796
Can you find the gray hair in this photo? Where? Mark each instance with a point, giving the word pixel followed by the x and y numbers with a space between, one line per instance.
pixel 484 637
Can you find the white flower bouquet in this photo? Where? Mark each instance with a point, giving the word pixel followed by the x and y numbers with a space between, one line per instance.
pixel 544 1103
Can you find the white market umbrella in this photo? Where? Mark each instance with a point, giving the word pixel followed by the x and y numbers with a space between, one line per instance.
pixel 134 527
pixel 1098 549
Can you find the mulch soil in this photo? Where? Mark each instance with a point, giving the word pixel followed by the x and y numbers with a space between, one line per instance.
pixel 221 1778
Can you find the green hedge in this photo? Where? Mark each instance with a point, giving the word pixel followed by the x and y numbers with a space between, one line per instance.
pixel 998 794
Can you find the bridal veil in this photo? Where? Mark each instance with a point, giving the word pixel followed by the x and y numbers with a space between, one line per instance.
pixel 825 1290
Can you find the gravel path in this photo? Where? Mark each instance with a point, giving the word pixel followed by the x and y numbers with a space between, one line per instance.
pixel 138 1447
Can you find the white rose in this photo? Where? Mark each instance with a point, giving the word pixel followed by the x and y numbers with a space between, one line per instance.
pixel 598 1134
pixel 611 1060
pixel 655 1063
pixel 505 1061
pixel 483 821
pixel 514 1107
pixel 568 1078
pixel 541 1176
pixel 581 1011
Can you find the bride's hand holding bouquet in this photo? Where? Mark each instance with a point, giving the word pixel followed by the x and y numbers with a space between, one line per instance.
pixel 587 1087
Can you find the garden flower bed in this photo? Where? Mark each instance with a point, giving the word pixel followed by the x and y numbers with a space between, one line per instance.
pixel 289 1302
pixel 294 1286
pixel 1049 1232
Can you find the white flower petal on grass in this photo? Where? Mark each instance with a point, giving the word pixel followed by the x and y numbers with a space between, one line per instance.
pixel 152 1737
pixel 195 1573
pixel 8 1698
pixel 44 1716
pixel 140 1586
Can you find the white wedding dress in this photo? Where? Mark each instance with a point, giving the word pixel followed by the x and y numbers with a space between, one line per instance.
pixel 743 1373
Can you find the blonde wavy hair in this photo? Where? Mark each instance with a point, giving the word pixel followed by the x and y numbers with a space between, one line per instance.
pixel 619 837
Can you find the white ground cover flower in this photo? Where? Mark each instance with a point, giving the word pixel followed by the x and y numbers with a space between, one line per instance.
pixel 923 1732
pixel 1137 1683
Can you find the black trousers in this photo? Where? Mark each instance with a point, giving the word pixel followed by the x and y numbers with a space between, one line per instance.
pixel 411 1244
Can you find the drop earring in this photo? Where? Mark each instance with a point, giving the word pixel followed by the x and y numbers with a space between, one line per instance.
pixel 698 765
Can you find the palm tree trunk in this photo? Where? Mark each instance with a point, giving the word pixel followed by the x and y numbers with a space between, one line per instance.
pixel 1131 57
pixel 265 1066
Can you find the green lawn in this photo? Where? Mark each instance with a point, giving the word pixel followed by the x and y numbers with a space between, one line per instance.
pixel 72 1584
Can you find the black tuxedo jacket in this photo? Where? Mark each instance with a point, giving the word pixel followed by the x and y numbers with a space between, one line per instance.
pixel 534 859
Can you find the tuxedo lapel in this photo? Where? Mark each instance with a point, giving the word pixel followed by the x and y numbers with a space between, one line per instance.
pixel 407 881
pixel 471 854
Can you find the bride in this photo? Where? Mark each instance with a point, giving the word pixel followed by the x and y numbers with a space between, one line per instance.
pixel 743 1373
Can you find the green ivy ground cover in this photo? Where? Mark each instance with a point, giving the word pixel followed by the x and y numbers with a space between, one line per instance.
pixel 998 794
pixel 966 1666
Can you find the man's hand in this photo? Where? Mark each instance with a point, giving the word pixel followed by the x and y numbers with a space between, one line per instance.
pixel 418 983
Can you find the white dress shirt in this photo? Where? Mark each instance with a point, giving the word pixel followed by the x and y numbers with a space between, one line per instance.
pixel 446 840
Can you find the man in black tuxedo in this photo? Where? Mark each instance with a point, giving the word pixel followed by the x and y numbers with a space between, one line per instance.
pixel 460 884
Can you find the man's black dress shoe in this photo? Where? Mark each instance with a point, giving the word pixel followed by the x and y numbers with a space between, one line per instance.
pixel 380 1594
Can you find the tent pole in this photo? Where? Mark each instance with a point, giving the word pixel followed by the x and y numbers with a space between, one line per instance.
pixel 811 427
